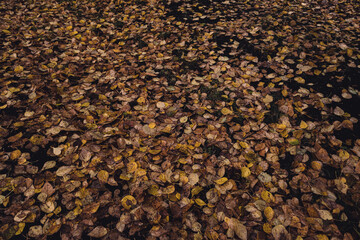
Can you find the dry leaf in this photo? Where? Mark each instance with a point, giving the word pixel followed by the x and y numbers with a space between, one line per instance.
pixel 64 170
pixel 279 232
pixel 221 181
pixel 269 213
pixel 128 201
pixel 239 229
pixel 98 232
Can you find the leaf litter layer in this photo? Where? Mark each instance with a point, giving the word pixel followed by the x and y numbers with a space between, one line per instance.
pixel 179 119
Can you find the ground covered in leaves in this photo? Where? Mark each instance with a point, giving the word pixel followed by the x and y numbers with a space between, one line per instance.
pixel 179 119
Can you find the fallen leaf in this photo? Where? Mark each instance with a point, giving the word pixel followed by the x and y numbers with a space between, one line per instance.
pixel 64 170
pixel 18 69
pixel 221 180
pixel 226 111
pixel 325 215
pixel 268 99
pixel 245 172
pixel 35 231
pixel 98 232
pixel 269 213
pixel 128 201
pixel 239 229
pixel 103 176
pixel 279 232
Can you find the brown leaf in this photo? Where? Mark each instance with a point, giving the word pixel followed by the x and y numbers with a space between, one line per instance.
pixel 98 232
pixel 239 229
pixel 279 232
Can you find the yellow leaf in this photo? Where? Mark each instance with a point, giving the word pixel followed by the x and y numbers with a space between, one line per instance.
pixel 344 155
pixel 196 190
pixel 269 213
pixel 141 100
pixel 200 202
pixel 102 97
pixel 103 176
pixel 140 172
pixel 221 180
pixel 154 151
pixel 18 69
pixel 321 237
pixel 15 154
pixel 131 167
pixel 21 227
pixel 267 228
pixel 303 125
pixel 183 161
pixel 250 58
pixel 267 196
pixel 317 72
pixel 284 92
pixel 128 201
pixel 244 144
pixel 226 111
pixel 166 129
pixel 152 125
pixel 36 139
pixel 54 227
pixel 250 156
pixel 169 189
pixel 245 172
pixel 299 80
pixel 154 190
pixel 349 52
pixel 316 165
pixel 293 141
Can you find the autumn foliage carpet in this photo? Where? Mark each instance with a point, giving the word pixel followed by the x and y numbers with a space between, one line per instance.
pixel 179 119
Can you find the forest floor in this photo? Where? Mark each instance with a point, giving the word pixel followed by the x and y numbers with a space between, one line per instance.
pixel 179 119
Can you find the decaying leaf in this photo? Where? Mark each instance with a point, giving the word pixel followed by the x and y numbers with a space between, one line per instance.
pixel 269 213
pixel 64 170
pixel 128 201
pixel 237 227
pixel 98 232
pixel 179 119
pixel 280 232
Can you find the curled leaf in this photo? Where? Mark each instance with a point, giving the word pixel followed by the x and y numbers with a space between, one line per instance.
pixel 128 201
